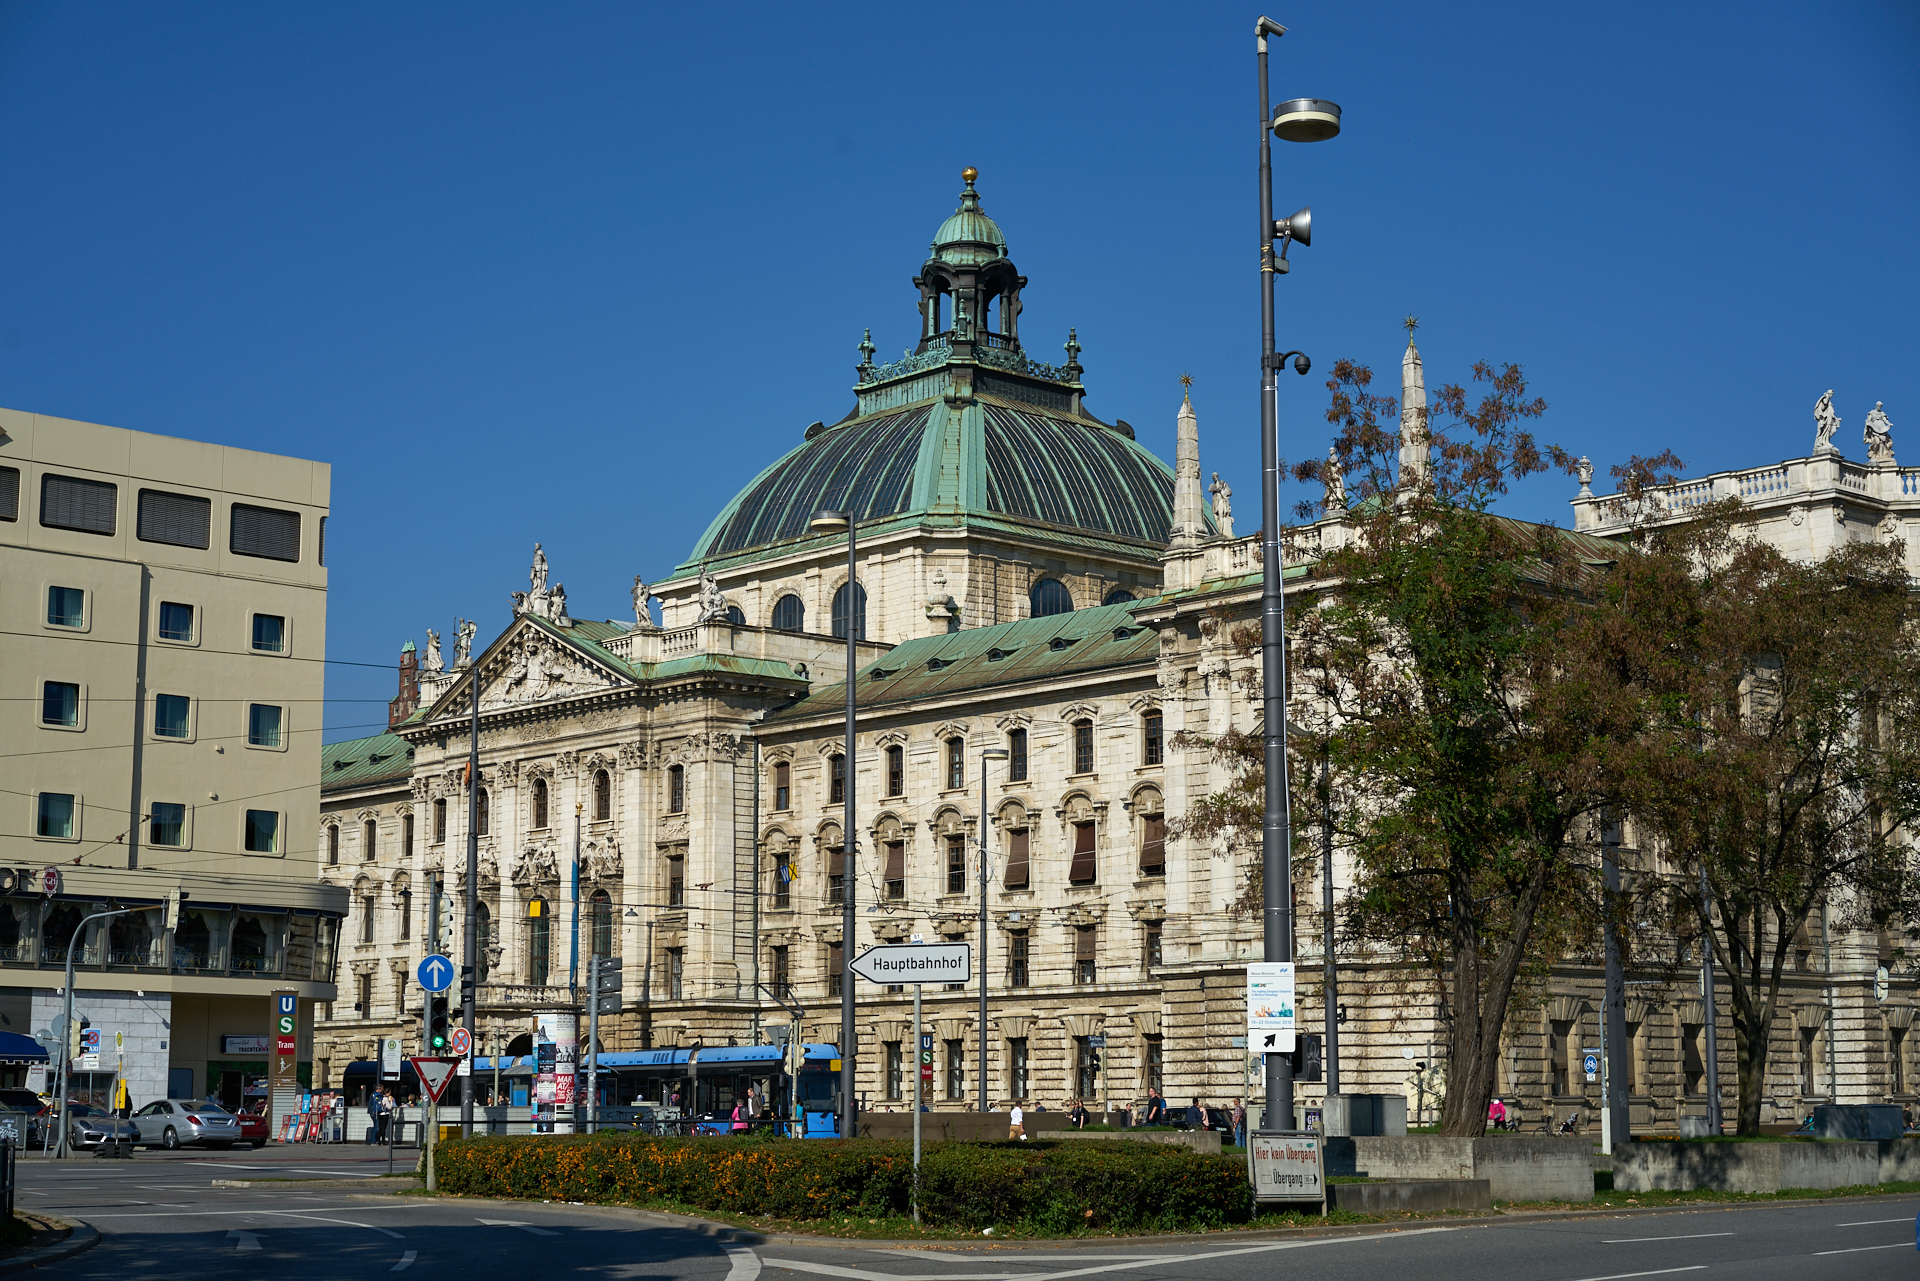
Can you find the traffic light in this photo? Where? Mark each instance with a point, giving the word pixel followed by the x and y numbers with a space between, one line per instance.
pixel 443 924
pixel 1308 1058
pixel 436 1022
pixel 1093 1060
pixel 466 985
pixel 606 984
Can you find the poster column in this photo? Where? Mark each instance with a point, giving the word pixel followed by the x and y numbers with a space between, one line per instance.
pixel 558 1028
pixel 284 1085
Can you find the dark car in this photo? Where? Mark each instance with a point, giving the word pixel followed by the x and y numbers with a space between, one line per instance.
pixel 37 1110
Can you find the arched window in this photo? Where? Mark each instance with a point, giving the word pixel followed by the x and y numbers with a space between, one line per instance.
pixel 482 826
pixel 837 773
pixel 780 854
pixel 539 802
pixel 406 914
pixel 956 762
pixel 1050 596
pixel 790 614
pixel 602 923
pixel 736 616
pixel 859 612
pixel 1153 743
pixel 369 840
pixel 1083 747
pixel 333 845
pixel 676 788
pixel 602 796
pixel 896 770
pixel 538 939
pixel 1118 596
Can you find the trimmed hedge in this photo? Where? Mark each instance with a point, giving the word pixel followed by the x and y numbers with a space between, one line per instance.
pixel 1035 1187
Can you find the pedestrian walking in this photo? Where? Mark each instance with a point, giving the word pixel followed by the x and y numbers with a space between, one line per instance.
pixel 1239 1124
pixel 1077 1115
pixel 740 1115
pixel 1017 1123
pixel 374 1105
pixel 1156 1108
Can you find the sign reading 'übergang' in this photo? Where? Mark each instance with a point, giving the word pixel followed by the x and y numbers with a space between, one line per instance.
pixel 915 963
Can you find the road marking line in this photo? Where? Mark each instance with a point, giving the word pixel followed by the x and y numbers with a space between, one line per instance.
pixel 110 1214
pixel 1898 1245
pixel 248 1240
pixel 742 1263
pixel 1866 1223
pixel 406 1261
pixel 344 1174
pixel 514 1223
pixel 1657 1272
pixel 294 1214
pixel 1691 1236
pixel 867 1274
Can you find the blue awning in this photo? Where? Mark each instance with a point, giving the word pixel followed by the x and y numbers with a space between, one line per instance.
pixel 16 1048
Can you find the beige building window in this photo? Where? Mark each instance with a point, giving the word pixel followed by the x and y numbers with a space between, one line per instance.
pixel 1082 870
pixel 836 875
pixel 782 967
pixel 266 532
pixel 837 786
pixel 676 880
pixel 539 803
pixel 73 502
pixel 1153 844
pixel 1018 973
pixel 265 724
pixel 956 865
pixel 1017 756
pixel 262 834
pixel 1084 970
pixel 956 1069
pixel 60 704
pixel 676 789
pixel 603 796
pixel 369 841
pixel 896 771
pixel 439 821
pixel 485 823
pixel 366 918
pixel 782 859
pixel 1083 747
pixel 58 818
pixel 406 916
pixel 1018 1077
pixel 956 762
pixel 172 716
pixel 406 836
pixel 896 869
pixel 1150 953
pixel 66 607
pixel 176 622
pixel 836 969
pixel 782 786
pixel 167 824
pixel 333 845
pixel 896 1070
pixel 182 520
pixel 1017 859
pixel 269 634
pixel 1153 748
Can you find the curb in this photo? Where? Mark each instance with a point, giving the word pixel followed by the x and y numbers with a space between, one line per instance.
pixel 746 1236
pixel 85 1237
pixel 302 1183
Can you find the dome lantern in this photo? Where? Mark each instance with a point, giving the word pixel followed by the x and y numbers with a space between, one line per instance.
pixel 969 290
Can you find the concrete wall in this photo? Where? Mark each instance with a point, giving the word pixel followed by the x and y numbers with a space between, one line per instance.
pixel 1517 1167
pixel 1752 1167
pixel 1402 1196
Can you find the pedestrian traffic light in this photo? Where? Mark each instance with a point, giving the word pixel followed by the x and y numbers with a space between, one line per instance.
pixel 437 1022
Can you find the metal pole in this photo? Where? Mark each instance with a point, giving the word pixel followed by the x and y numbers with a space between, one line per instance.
pixel 470 975
pixel 573 948
pixel 758 868
pixel 849 861
pixel 593 1041
pixel 1615 1122
pixel 916 1102
pixel 1331 979
pixel 1714 1118
pixel 983 936
pixel 66 1049
pixel 1276 838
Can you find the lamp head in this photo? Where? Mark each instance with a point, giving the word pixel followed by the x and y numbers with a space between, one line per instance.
pixel 827 521
pixel 1299 227
pixel 993 754
pixel 1301 364
pixel 1306 120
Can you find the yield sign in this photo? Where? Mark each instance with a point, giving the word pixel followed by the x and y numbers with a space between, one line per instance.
pixel 434 1075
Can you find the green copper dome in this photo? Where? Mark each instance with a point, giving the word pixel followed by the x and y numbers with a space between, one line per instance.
pixel 969 236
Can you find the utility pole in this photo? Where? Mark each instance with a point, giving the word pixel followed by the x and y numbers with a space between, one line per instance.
pixel 1615 1123
pixel 1714 1119
pixel 470 970
pixel 1330 979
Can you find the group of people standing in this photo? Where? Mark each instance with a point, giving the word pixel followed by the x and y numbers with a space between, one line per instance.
pixel 381 1105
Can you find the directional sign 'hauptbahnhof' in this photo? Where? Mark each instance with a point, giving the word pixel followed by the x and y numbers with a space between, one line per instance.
pixel 915 963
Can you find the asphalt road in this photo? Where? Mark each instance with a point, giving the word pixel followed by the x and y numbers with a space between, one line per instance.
pixel 160 1216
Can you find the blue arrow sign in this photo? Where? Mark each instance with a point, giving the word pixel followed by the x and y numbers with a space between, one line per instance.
pixel 436 974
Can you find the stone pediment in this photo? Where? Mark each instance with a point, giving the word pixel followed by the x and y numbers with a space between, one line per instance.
pixel 526 667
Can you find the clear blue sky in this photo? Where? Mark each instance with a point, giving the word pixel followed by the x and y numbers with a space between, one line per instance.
pixel 575 272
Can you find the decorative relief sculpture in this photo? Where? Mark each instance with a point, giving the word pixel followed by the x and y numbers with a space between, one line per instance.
pixel 432 662
pixel 536 867
pixel 1825 423
pixel 1889 529
pixel 1878 436
pixel 463 631
pixel 1222 494
pixel 539 669
pixel 633 756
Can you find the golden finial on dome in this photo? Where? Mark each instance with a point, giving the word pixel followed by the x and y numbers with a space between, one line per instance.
pixel 969 174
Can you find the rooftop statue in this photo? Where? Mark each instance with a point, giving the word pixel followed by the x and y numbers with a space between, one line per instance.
pixel 463 631
pixel 1222 505
pixel 1336 495
pixel 713 602
pixel 1878 436
pixel 432 663
pixel 1583 470
pixel 1825 423
pixel 539 571
pixel 641 595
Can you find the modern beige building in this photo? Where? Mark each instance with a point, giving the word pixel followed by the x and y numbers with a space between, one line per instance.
pixel 164 653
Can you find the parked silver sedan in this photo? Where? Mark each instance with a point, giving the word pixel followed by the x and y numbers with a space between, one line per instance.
pixel 173 1123
pixel 96 1128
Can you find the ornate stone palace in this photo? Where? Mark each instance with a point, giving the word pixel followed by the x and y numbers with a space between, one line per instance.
pixel 1030 578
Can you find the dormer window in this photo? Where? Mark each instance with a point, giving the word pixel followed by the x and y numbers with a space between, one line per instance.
pixel 1059 643
pixel 995 655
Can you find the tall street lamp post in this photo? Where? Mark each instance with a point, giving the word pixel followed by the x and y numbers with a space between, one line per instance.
pixel 829 521
pixel 986 754
pixel 1298 120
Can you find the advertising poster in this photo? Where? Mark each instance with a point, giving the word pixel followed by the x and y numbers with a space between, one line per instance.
pixel 559 1028
pixel 1270 1023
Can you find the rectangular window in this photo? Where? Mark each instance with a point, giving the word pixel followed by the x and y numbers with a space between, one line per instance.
pixel 1083 747
pixel 956 1069
pixel 406 836
pixel 1156 1062
pixel 1081 872
pixel 835 969
pixel 896 1070
pixel 836 875
pixel 896 771
pixel 439 821
pixel 783 786
pixel 333 845
pixel 263 832
pixel 896 869
pixel 60 704
pixel 956 865
pixel 267 532
pixel 69 502
pixel 1017 1076
pixel 782 974
pixel 676 789
pixel 676 882
pixel 270 633
pixel 1153 747
pixel 369 841
pixel 180 519
pixel 66 607
pixel 323 540
pixel 167 824
pixel 1153 845
pixel 1018 975
pixel 56 816
pixel 1017 756
pixel 366 919
pixel 176 621
pixel 782 879
pixel 1017 859
pixel 170 715
pixel 363 995
pixel 263 725
pixel 676 972
pixel 406 916
pixel 9 493
pixel 1083 962
pixel 1084 1070
pixel 1150 954
pixel 1559 1053
pixel 837 788
pixel 956 762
